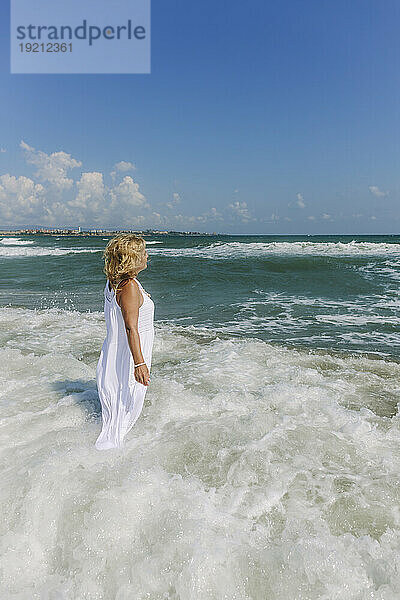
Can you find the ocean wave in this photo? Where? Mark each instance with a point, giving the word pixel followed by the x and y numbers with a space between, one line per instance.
pixel 8 252
pixel 229 250
pixel 14 241
pixel 364 323
pixel 147 241
pixel 290 457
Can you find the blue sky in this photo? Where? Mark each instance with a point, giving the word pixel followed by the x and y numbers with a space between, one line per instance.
pixel 265 117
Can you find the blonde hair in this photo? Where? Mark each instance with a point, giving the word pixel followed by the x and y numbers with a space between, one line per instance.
pixel 122 257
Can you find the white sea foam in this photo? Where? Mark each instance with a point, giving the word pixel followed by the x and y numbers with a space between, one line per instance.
pixel 14 241
pixel 8 252
pixel 11 252
pixel 253 472
pixel 319 321
pixel 147 241
pixel 227 250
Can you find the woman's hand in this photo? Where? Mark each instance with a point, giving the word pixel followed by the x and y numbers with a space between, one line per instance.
pixel 142 375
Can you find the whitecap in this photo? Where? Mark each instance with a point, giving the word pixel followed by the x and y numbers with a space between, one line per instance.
pixel 8 252
pixel 14 241
pixel 229 250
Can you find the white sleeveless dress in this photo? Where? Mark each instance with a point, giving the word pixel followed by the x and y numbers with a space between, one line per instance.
pixel 121 396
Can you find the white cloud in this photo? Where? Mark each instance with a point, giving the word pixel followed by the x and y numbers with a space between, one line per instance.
pixel 51 168
pixel 311 217
pixel 91 195
pixel 377 192
pixel 211 215
pixel 273 217
pixel 86 207
pixel 175 200
pixel 240 210
pixel 215 213
pixel 122 167
pixel 122 204
pixel 88 201
pixel 20 199
pixel 300 201
pixel 127 194
pixel 326 216
pixel 373 218
pixel 157 218
pixel 91 202
pixel 186 220
pixel 2 150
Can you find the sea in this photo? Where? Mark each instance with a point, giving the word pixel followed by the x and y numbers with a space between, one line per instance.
pixel 265 462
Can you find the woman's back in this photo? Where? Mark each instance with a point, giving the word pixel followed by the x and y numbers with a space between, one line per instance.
pixel 121 396
pixel 113 314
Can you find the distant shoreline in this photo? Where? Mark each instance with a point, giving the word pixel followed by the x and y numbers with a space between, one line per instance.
pixel 102 233
pixel 68 233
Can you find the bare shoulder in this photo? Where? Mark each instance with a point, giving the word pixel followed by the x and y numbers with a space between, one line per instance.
pixel 129 293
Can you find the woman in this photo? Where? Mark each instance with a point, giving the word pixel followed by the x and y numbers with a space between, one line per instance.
pixel 123 370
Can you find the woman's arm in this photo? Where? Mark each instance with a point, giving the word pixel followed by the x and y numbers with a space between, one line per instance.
pixel 130 300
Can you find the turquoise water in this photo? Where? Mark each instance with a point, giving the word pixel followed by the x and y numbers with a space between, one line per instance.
pixel 265 461
pixel 333 292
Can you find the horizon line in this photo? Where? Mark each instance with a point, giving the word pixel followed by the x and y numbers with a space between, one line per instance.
pixel 166 232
